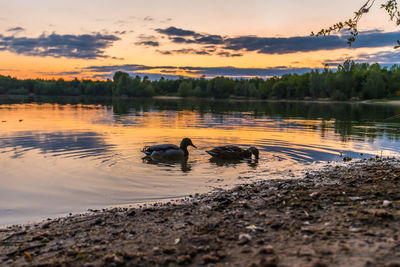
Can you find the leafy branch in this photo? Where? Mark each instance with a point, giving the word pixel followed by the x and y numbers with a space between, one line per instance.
pixel 351 24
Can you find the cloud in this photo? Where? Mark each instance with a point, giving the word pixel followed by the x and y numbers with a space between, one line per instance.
pixel 173 31
pixel 148 43
pixel 148 40
pixel 85 46
pixel 386 58
pixel 120 32
pixel 148 19
pixel 227 54
pixel 186 51
pixel 172 71
pixel 16 29
pixel 278 45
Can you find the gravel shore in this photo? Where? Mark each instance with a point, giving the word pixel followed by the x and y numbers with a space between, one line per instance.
pixel 341 216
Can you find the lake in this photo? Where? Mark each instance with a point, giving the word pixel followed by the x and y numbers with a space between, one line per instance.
pixel 68 155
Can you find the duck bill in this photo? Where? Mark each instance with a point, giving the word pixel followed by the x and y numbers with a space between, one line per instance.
pixel 193 146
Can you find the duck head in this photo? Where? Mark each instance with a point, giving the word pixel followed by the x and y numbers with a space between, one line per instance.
pixel 186 142
pixel 254 151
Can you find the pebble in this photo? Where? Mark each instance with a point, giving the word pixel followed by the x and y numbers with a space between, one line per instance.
pixel 168 250
pixel 209 258
pixel 244 239
pixel 156 250
pixel 387 203
pixel 183 259
pixel 131 213
pixel 266 250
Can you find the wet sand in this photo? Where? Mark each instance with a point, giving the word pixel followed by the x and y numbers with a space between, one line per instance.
pixel 341 216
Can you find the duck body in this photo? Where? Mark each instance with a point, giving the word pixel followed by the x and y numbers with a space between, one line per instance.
pixel 231 152
pixel 169 151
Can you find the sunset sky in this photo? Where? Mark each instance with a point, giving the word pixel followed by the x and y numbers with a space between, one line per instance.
pixel 93 39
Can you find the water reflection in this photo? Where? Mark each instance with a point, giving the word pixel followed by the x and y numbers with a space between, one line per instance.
pixel 65 155
pixel 64 144
pixel 185 166
pixel 233 162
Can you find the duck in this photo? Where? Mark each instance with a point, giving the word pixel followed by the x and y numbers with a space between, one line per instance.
pixel 231 152
pixel 169 151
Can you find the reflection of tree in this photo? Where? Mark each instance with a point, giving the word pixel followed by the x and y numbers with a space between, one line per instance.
pixel 345 119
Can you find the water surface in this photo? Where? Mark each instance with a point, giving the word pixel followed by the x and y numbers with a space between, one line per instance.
pixel 59 156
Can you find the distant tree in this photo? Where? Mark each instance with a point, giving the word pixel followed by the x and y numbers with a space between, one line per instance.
pixel 121 83
pixel 374 85
pixel 185 89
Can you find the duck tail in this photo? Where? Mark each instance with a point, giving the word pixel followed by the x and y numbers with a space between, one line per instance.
pixel 210 152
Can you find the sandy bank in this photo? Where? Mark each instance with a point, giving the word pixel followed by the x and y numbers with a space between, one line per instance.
pixel 344 216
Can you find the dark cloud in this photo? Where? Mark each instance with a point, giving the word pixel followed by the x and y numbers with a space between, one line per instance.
pixel 16 29
pixel 148 43
pixel 120 32
pixel 113 68
pixel 88 46
pixel 210 40
pixel 186 51
pixel 148 40
pixel 63 73
pixel 385 58
pixel 164 52
pixel 227 54
pixel 279 45
pixel 148 19
pixel 173 31
pixel 105 72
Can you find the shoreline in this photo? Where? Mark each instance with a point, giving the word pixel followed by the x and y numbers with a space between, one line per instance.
pixel 318 100
pixel 340 216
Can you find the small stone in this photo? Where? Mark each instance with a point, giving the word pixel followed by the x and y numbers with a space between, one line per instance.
pixel 346 159
pixel 108 258
pixel 387 203
pixel 221 254
pixel 268 262
pixel 96 222
pixel 276 225
pixel 156 250
pixel 183 259
pixel 260 241
pixel 40 236
pixel 244 239
pixel 247 250
pixel 131 213
pixel 266 250
pixel 46 225
pixel 168 250
pixel 210 258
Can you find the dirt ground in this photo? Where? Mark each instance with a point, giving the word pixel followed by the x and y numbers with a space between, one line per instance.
pixel 342 216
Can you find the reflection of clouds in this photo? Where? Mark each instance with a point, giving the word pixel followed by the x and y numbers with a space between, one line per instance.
pixel 58 144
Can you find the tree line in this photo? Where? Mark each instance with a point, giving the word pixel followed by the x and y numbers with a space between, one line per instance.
pixel 350 81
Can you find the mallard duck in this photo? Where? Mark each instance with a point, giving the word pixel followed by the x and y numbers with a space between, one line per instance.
pixel 169 151
pixel 233 152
